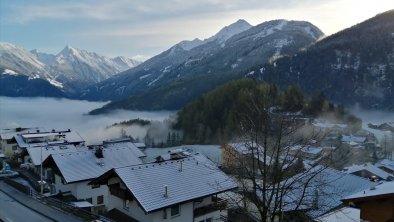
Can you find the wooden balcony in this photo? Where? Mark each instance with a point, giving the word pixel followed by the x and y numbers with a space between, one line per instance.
pixel 217 204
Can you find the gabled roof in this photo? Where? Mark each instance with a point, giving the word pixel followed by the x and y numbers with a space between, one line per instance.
pixel 186 179
pixel 133 148
pixel 35 152
pixel 353 139
pixel 307 149
pixel 370 168
pixel 382 189
pixel 6 134
pixel 326 189
pixel 245 148
pixel 84 165
pixel 346 214
pixel 66 137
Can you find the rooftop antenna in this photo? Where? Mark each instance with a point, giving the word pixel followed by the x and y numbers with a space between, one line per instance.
pixel 165 191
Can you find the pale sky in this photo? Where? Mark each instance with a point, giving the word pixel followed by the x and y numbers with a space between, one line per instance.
pixel 148 27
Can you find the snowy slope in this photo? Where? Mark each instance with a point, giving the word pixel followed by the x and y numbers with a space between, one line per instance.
pixel 21 60
pixel 69 70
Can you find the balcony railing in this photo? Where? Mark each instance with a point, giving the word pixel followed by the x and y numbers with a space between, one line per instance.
pixel 218 204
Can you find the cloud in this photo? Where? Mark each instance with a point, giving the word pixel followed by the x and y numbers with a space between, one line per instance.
pixel 103 10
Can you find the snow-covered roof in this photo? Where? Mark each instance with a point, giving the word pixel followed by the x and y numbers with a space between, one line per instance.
pixel 346 214
pixel 44 137
pixel 84 165
pixel 140 145
pixel 137 152
pixel 389 164
pixel 307 149
pixel 326 188
pixel 353 140
pixel 186 179
pixel 370 168
pixel 7 134
pixel 35 152
pixel 325 124
pixel 381 189
pixel 245 148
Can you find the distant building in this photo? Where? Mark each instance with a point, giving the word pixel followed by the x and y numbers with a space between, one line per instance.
pixel 306 152
pixel 375 204
pixel 234 153
pixel 345 214
pixel 369 171
pixel 321 193
pixel 8 144
pixel 386 165
pixel 175 190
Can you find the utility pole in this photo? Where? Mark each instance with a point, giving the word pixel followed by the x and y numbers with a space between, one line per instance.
pixel 41 181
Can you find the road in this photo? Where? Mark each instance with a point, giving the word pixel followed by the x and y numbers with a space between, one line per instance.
pixel 12 211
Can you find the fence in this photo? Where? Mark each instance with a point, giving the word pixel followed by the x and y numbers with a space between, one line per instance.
pixel 61 205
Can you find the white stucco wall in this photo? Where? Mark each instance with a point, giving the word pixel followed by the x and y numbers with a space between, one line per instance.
pixel 82 190
pixel 134 211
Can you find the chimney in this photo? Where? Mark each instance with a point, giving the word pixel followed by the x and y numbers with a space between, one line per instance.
pixel 99 153
pixel 180 168
pixel 165 191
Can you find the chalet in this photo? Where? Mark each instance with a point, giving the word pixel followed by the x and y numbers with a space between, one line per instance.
pixel 39 138
pixel 354 141
pixel 175 190
pixel 345 214
pixel 376 204
pixel 34 156
pixel 8 144
pixel 306 152
pixel 320 191
pixel 233 153
pixel 369 171
pixel 69 173
pixel 386 165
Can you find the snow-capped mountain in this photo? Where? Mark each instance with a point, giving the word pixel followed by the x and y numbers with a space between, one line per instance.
pixel 224 34
pixel 69 70
pixel 22 61
pixel 230 30
pixel 191 68
pixel 352 67
pixel 43 57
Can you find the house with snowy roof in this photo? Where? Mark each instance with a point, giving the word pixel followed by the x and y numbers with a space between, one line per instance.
pixel 45 138
pixel 8 144
pixel 70 172
pixel 314 195
pixel 175 190
pixel 369 171
pixel 376 204
pixel 306 152
pixel 386 165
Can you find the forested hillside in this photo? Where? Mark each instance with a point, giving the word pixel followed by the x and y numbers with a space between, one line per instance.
pixel 214 117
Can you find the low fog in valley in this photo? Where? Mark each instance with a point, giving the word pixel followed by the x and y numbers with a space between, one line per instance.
pixel 62 114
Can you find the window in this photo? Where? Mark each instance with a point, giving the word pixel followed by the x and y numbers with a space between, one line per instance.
pixel 208 219
pixel 164 213
pixel 94 186
pixel 100 199
pixel 126 205
pixel 175 211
